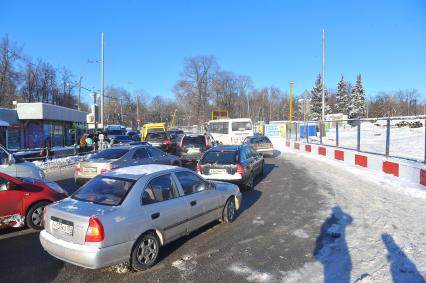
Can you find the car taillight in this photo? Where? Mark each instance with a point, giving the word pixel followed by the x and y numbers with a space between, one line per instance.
pixel 44 216
pixel 166 142
pixel 240 169
pixel 198 168
pixel 107 168
pixel 95 232
pixel 77 168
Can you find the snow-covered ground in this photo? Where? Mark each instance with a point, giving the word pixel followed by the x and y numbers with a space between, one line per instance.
pixel 405 142
pixel 374 228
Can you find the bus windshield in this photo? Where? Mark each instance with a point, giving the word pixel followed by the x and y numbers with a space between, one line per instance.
pixel 241 126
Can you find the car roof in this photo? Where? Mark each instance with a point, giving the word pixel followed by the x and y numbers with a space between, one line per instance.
pixel 226 147
pixel 136 172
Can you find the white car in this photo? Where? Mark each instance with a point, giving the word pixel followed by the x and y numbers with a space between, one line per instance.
pixel 17 167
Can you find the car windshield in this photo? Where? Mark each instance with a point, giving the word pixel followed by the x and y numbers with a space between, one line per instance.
pixel 220 157
pixel 241 126
pixel 104 190
pixel 194 141
pixel 156 136
pixel 111 153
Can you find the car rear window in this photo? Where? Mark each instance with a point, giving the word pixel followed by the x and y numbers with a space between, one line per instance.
pixel 104 190
pixel 112 153
pixel 156 136
pixel 196 141
pixel 118 139
pixel 220 157
pixel 115 132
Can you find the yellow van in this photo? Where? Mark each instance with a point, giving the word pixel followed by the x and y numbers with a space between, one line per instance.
pixel 152 128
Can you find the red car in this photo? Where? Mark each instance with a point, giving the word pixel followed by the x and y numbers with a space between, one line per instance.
pixel 22 200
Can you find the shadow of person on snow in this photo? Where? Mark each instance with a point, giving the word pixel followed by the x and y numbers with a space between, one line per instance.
pixel 403 270
pixel 331 248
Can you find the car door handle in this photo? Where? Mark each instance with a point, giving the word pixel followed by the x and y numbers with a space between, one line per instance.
pixel 155 215
pixel 194 202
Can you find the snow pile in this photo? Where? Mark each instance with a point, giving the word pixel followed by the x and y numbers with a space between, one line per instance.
pixel 405 142
pixel 59 162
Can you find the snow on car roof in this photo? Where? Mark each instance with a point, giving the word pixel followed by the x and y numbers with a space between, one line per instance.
pixel 135 172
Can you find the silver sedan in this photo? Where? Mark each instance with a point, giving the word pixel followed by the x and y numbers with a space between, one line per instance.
pixel 128 214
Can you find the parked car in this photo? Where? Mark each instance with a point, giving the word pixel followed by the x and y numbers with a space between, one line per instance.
pixel 121 156
pixel 17 167
pixel 261 144
pixel 22 200
pixel 191 147
pixel 130 213
pixel 236 164
pixel 162 141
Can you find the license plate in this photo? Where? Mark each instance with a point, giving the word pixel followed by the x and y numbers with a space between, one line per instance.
pixel 89 169
pixel 62 227
pixel 217 171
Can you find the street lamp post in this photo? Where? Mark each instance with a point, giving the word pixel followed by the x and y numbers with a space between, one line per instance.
pixel 323 77
pixel 291 102
pixel 102 83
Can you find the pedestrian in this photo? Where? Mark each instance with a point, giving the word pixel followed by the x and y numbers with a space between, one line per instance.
pixel 83 143
pixel 96 141
pixel 89 142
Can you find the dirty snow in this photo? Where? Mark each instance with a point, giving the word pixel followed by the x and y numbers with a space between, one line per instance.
pixel 373 230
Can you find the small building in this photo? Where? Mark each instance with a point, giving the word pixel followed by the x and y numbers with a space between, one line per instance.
pixel 31 124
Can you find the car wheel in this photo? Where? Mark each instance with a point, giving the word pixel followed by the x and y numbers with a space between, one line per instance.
pixel 229 211
pixel 145 252
pixel 34 217
pixel 249 185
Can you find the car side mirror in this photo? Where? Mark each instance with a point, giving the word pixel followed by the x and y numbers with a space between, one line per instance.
pixel 10 159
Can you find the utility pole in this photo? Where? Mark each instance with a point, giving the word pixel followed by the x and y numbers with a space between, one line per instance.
pixel 96 111
pixel 79 92
pixel 102 83
pixel 323 76
pixel 291 102
pixel 137 112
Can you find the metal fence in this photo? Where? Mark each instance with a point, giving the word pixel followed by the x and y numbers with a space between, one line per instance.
pixel 401 137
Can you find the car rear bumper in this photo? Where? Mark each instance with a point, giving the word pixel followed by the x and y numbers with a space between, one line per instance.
pixel 266 151
pixel 235 178
pixel 82 255
pixel 83 178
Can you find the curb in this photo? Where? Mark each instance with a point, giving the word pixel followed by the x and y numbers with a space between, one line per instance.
pixel 411 171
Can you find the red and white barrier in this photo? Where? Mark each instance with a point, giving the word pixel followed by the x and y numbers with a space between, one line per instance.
pixel 411 171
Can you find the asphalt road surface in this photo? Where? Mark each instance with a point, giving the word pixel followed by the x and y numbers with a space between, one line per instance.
pixel 275 232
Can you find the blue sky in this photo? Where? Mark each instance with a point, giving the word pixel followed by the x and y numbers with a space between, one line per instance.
pixel 273 42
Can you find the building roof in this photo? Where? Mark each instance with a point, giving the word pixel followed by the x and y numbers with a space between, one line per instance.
pixel 45 111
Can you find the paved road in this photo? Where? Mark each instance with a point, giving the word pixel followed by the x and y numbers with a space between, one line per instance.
pixel 275 232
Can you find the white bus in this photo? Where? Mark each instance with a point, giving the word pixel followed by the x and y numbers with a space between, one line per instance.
pixel 230 131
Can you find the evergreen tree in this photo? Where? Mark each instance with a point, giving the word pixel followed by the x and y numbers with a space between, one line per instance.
pixel 357 100
pixel 316 100
pixel 342 97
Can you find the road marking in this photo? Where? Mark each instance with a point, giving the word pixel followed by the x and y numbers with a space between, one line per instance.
pixel 250 240
pixel 266 181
